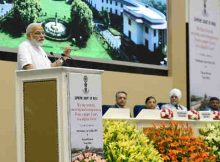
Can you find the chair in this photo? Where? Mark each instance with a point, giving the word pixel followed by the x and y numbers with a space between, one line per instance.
pixel 137 109
pixel 160 104
pixel 105 108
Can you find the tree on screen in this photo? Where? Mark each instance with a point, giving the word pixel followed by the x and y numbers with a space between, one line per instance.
pixel 81 22
pixel 6 1
pixel 158 5
pixel 25 12
pixel 105 18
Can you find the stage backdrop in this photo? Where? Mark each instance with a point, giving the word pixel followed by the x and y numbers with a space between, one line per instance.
pixel 204 56
pixel 124 33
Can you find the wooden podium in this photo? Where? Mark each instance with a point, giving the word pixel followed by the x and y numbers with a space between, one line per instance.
pixel 43 111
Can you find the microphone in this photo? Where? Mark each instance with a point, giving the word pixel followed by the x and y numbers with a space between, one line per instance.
pixel 63 55
pixel 54 57
pixel 66 56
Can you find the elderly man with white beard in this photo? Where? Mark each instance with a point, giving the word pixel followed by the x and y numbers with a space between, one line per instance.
pixel 30 53
pixel 175 96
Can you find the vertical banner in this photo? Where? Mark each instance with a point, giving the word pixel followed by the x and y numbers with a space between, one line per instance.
pixel 204 51
pixel 85 116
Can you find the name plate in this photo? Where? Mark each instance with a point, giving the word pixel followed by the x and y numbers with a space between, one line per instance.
pixel 148 114
pixel 117 113
pixel 205 115
pixel 180 115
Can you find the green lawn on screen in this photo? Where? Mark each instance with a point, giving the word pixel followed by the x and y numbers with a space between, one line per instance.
pixel 94 48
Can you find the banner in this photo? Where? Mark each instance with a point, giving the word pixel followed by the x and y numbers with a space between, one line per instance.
pixel 85 116
pixel 204 51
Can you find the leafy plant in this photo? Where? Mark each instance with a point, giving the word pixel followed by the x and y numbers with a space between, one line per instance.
pixel 124 143
pixel 81 22
pixel 175 141
pixel 211 134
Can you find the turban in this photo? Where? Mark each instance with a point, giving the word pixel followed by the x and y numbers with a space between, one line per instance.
pixel 175 92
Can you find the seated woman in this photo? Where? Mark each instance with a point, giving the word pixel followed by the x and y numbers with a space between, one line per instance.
pixel 151 103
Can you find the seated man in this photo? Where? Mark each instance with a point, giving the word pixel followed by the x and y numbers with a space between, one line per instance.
pixel 175 96
pixel 120 99
pixel 214 104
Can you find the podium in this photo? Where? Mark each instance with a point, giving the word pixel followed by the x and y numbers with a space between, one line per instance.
pixel 49 116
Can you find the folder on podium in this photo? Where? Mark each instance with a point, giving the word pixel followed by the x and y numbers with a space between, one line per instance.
pixel 149 114
pixel 117 113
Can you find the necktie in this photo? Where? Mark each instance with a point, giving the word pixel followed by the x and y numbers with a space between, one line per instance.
pixel 176 107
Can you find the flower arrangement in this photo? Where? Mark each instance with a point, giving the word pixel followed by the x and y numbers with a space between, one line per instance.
pixel 211 134
pixel 88 157
pixel 193 115
pixel 216 115
pixel 166 113
pixel 176 143
pixel 124 143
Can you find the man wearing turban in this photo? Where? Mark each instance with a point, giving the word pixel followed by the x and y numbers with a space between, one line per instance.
pixel 175 96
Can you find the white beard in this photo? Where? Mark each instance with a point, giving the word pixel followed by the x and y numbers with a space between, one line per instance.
pixel 37 43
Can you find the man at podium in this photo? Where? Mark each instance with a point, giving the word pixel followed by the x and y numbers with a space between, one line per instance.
pixel 31 55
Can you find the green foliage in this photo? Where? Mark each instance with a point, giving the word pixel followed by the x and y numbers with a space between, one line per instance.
pixel 81 22
pixel 26 11
pixel 23 13
pixel 158 5
pixel 105 18
pixel 124 143
pixel 211 134
pixel 7 1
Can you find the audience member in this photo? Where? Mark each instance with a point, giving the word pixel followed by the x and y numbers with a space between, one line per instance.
pixel 120 99
pixel 214 104
pixel 175 96
pixel 151 103
pixel 31 55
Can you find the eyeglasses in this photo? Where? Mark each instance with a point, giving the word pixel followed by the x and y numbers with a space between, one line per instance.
pixel 39 33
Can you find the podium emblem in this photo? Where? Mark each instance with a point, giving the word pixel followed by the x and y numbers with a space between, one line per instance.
pixel 204 12
pixel 85 79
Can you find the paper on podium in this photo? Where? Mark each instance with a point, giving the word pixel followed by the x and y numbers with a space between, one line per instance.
pixel 149 114
pixel 117 113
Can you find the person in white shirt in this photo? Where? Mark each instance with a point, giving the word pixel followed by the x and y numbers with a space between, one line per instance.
pixel 175 96
pixel 30 53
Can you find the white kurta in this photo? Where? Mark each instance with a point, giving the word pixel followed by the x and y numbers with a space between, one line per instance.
pixel 28 53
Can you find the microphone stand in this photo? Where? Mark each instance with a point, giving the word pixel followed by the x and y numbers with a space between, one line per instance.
pixel 54 57
pixel 68 57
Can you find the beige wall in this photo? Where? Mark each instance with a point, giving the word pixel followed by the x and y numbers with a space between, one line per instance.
pixel 7 112
pixel 177 45
pixel 138 86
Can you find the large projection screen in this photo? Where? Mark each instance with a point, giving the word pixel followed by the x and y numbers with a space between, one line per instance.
pixel 130 33
pixel 204 56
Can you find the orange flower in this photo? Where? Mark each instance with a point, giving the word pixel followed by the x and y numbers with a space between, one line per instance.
pixel 175 143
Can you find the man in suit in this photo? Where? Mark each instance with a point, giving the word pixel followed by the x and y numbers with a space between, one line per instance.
pixel 120 99
pixel 175 96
